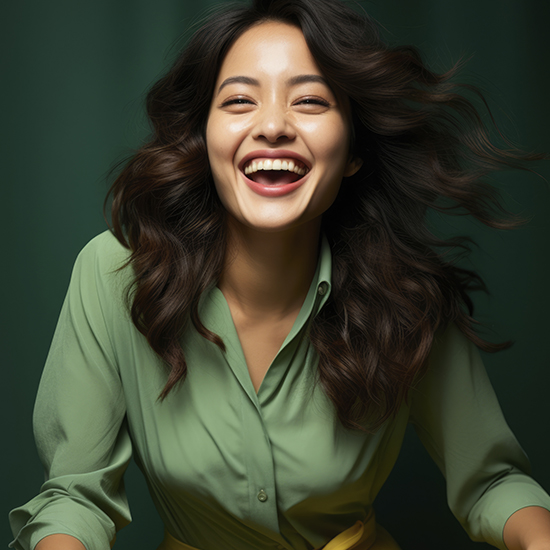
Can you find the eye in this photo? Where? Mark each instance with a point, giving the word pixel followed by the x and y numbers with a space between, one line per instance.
pixel 236 101
pixel 313 101
pixel 312 105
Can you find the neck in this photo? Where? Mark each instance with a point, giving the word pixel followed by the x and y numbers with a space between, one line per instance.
pixel 269 273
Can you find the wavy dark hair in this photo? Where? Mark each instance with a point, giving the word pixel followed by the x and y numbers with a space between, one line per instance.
pixel 424 146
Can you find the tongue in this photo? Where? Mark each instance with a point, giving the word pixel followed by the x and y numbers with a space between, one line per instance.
pixel 274 177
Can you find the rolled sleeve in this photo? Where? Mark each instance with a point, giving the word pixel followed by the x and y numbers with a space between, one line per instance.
pixel 459 421
pixel 79 419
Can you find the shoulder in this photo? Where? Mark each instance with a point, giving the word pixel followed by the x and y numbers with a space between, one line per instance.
pixel 449 344
pixel 455 373
pixel 104 256
pixel 101 267
pixel 106 251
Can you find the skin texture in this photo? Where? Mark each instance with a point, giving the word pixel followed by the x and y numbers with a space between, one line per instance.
pixel 275 113
pixel 60 542
pixel 528 529
pixel 273 241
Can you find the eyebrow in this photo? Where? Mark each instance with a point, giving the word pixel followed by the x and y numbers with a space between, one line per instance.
pixel 305 78
pixel 238 79
pixel 294 81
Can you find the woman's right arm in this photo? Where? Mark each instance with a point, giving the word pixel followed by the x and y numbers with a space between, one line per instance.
pixel 79 417
pixel 59 542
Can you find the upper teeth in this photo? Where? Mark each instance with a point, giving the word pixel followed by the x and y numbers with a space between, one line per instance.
pixel 274 165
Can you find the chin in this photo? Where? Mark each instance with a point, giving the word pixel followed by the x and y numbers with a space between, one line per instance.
pixel 267 227
pixel 279 225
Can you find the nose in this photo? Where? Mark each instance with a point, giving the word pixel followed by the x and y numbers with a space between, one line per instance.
pixel 273 124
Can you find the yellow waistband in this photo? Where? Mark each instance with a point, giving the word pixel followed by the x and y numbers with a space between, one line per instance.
pixel 364 535
pixel 360 536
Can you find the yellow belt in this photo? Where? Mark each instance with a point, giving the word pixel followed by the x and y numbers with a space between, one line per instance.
pixel 361 536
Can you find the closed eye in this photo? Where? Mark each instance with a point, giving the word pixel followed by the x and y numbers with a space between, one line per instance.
pixel 236 101
pixel 313 101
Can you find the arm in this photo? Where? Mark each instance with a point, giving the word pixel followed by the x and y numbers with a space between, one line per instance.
pixel 79 422
pixel 458 419
pixel 59 542
pixel 528 529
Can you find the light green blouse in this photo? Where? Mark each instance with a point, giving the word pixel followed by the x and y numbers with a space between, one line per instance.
pixel 229 468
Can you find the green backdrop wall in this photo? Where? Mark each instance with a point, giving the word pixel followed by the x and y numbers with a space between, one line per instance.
pixel 73 82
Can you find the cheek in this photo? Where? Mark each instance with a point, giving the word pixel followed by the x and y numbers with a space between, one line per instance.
pixel 332 151
pixel 223 138
pixel 219 155
pixel 216 147
pixel 329 141
pixel 225 130
pixel 337 143
pixel 224 190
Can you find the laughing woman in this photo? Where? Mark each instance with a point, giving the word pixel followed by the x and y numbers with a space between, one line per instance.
pixel 270 311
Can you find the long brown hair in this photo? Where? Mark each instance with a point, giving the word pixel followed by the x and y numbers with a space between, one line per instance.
pixel 423 145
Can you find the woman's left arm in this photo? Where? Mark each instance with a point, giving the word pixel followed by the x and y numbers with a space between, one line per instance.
pixel 458 419
pixel 528 529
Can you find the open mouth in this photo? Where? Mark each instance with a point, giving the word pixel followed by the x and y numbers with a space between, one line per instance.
pixel 275 171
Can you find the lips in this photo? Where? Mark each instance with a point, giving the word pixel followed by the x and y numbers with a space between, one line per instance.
pixel 274 167
pixel 274 172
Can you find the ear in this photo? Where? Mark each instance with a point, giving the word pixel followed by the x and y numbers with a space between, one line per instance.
pixel 354 163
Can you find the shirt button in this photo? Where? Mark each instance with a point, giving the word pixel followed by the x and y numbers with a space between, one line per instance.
pixel 262 496
pixel 322 289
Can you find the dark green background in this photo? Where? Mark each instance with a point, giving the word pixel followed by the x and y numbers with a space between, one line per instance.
pixel 74 78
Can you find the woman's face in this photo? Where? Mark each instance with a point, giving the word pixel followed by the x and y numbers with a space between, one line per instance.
pixel 277 136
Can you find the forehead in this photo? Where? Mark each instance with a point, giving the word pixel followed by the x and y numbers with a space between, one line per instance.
pixel 269 49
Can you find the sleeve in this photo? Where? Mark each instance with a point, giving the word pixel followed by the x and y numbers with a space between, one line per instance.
pixel 457 416
pixel 79 422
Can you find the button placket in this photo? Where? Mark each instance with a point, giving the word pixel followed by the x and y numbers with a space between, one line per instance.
pixel 262 503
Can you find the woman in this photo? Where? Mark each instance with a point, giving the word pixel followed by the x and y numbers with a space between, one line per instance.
pixel 286 304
